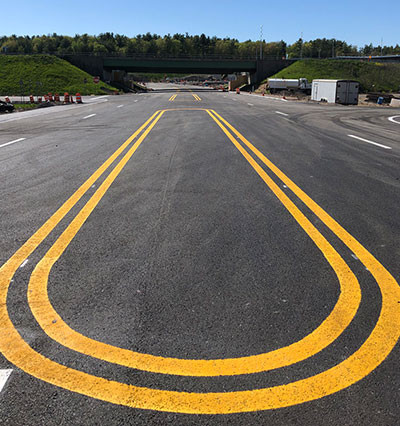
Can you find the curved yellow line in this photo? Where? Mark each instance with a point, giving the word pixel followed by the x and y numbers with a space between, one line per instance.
pixel 328 331
pixel 373 352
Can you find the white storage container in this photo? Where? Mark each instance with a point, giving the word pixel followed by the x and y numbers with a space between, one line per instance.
pixel 335 91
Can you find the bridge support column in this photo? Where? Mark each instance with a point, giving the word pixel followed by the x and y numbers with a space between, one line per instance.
pixel 107 75
pixel 266 68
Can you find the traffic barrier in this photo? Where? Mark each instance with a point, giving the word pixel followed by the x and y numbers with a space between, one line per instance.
pixel 71 99
pixel 50 97
pixel 56 97
pixel 237 91
pixel 8 100
pixel 78 98
pixel 39 99
pixel 31 100
pixel 66 98
pixel 46 98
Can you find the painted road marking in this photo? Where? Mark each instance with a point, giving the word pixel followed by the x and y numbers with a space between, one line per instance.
pixel 273 98
pixel 368 141
pixel 370 354
pixel 99 97
pixel 88 116
pixel 282 113
pixel 48 111
pixel 393 119
pixel 326 333
pixel 196 97
pixel 24 263
pixel 250 104
pixel 10 143
pixel 4 375
pixel 172 98
pixel 119 106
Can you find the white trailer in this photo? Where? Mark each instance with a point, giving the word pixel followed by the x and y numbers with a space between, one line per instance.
pixel 290 84
pixel 335 91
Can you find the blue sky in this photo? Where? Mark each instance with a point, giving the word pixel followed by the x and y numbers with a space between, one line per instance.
pixel 357 22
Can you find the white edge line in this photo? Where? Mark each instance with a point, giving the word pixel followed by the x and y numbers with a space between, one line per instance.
pixel 392 119
pixel 4 375
pixel 260 96
pixel 371 142
pixel 24 263
pixel 9 143
pixel 282 113
pixel 99 97
pixel 88 116
pixel 46 111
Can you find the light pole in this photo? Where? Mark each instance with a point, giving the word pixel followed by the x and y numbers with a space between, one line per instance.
pixel 261 42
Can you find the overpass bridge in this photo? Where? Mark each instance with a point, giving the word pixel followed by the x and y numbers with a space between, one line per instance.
pixel 259 69
pixel 104 65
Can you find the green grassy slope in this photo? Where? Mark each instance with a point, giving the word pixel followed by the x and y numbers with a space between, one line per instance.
pixel 373 76
pixel 42 74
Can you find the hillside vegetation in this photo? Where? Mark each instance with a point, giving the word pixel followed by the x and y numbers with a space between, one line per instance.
pixel 373 76
pixel 42 74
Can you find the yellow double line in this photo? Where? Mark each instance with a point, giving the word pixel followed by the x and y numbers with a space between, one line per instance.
pixel 196 97
pixel 172 98
pixel 374 350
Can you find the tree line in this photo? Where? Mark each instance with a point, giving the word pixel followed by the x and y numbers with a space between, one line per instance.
pixel 185 45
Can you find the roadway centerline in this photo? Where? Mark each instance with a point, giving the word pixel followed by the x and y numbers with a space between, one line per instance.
pixel 282 113
pixel 10 143
pixel 368 141
pixel 374 350
pixel 88 116
pixel 4 375
pixel 393 119
pixel 54 326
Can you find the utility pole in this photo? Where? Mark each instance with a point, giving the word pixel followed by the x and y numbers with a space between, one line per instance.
pixel 382 46
pixel 333 48
pixel 261 42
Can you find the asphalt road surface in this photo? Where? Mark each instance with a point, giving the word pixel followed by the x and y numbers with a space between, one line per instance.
pixel 191 257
